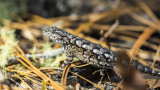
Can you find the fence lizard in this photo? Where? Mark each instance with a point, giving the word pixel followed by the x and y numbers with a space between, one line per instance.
pixel 89 52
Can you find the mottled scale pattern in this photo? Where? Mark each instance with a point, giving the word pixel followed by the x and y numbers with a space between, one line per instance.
pixel 87 51
pixel 145 69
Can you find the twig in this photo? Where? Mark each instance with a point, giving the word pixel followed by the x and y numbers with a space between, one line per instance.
pixel 157 54
pixel 112 28
pixel 52 53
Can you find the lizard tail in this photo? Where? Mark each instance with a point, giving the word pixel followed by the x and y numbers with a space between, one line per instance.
pixel 145 69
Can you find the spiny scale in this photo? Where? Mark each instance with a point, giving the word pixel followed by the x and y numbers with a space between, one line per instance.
pixel 88 52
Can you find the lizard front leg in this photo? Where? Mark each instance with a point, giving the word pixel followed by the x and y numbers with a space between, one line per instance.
pixel 68 60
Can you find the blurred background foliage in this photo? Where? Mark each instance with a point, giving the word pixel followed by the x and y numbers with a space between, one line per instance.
pixel 10 9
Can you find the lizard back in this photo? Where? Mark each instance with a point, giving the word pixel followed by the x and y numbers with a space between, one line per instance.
pixel 82 49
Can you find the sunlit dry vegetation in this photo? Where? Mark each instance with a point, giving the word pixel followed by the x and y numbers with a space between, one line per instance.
pixel 28 60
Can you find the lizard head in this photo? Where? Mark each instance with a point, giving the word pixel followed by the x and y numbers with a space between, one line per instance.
pixel 56 34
